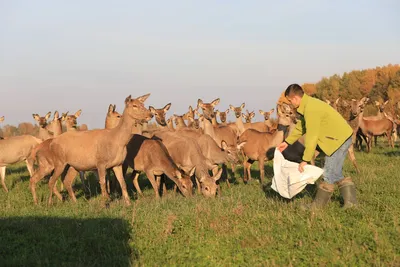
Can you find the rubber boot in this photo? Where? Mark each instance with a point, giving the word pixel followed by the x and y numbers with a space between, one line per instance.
pixel 348 192
pixel 322 198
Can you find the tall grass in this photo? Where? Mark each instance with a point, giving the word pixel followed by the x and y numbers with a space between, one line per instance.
pixel 244 226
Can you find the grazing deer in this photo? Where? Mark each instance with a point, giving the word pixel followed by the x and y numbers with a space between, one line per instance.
pixel 151 157
pixel 15 149
pixel 371 128
pixel 90 150
pixel 255 144
pixel 222 116
pixel 187 154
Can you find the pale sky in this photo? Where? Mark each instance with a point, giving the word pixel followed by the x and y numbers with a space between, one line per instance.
pixel 67 55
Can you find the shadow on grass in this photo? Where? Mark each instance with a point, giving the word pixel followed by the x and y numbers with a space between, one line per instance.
pixel 391 153
pixel 49 241
pixel 309 190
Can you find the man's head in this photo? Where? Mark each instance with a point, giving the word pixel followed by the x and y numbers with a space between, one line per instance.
pixel 294 93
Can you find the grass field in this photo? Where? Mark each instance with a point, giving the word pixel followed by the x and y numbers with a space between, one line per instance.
pixel 246 226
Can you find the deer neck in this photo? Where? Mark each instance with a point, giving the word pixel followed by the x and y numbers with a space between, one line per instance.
pixel 279 136
pixel 268 123
pixel 208 128
pixel 145 126
pixel 123 132
pixel 214 121
pixel 240 125
pixel 45 133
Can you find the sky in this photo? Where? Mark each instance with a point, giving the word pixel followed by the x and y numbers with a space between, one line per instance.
pixel 70 55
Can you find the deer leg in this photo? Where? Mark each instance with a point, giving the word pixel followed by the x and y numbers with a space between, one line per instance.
pixel 29 166
pixel 135 176
pixel 353 158
pixel 198 185
pixel 369 143
pixel 118 173
pixel 102 181
pixel 152 180
pixel 3 178
pixel 68 181
pixel 37 176
pixel 52 182
pixel 225 171
pixel 261 167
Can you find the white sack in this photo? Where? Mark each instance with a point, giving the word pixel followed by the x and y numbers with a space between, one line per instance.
pixel 287 180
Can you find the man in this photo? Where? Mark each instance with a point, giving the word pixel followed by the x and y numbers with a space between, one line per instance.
pixel 324 127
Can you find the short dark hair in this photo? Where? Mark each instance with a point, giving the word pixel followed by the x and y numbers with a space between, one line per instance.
pixel 294 89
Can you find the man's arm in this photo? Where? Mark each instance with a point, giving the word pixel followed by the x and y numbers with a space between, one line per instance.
pixel 296 133
pixel 313 125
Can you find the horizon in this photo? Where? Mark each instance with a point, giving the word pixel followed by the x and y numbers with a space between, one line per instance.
pixel 87 55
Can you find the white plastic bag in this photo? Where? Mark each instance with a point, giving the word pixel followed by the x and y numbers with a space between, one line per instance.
pixel 288 181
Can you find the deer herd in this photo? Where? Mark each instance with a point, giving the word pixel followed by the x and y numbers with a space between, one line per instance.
pixel 199 144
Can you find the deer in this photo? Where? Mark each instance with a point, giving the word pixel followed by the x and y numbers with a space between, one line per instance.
pixel 186 154
pixel 248 116
pixel 222 116
pixel 190 116
pixel 16 149
pixel 371 128
pixel 238 126
pixel 226 133
pixel 89 150
pixel 47 130
pixel 152 157
pixel 159 115
pixel 380 115
pixel 255 144
pixel 179 121
pixel 267 119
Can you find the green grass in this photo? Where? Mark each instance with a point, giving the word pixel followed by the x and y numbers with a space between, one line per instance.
pixel 246 226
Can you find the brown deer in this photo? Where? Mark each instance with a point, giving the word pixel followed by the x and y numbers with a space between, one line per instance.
pixel 238 126
pixel 15 149
pixel 248 116
pixel 222 116
pixel 160 114
pixel 90 150
pixel 371 128
pixel 151 157
pixel 221 133
pixel 179 121
pixel 380 115
pixel 190 116
pixel 265 126
pixel 70 121
pixel 47 130
pixel 187 154
pixel 255 144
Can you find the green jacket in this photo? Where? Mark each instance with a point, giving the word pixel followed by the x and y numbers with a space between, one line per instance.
pixel 322 125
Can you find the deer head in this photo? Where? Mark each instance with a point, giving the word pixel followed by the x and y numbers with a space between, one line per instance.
pixel 42 121
pixel 267 114
pixel 71 120
pixel 160 114
pixel 222 115
pixel 237 110
pixel 248 116
pixel 135 109
pixel 357 106
pixel 184 182
pixel 208 186
pixel 113 117
pixel 208 108
pixel 190 114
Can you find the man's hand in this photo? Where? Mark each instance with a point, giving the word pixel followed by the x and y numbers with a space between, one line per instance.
pixel 282 146
pixel 301 166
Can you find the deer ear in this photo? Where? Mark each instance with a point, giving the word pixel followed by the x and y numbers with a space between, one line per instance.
pixel 252 114
pixel 192 171
pixel 1 118
pixel 261 112
pixel 271 111
pixel 143 98
pixel 240 145
pixel 218 175
pixel 244 116
pixel 199 103
pixel 232 107
pixel 114 107
pixel 190 109
pixel 110 108
pixel 152 110
pixel 48 115
pixel 217 112
pixel 227 111
pixel 167 106
pixel 242 106
pixel 128 99
pixel 224 145
pixel 215 102
pixel 78 113
pixel 56 116
pixel 36 117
